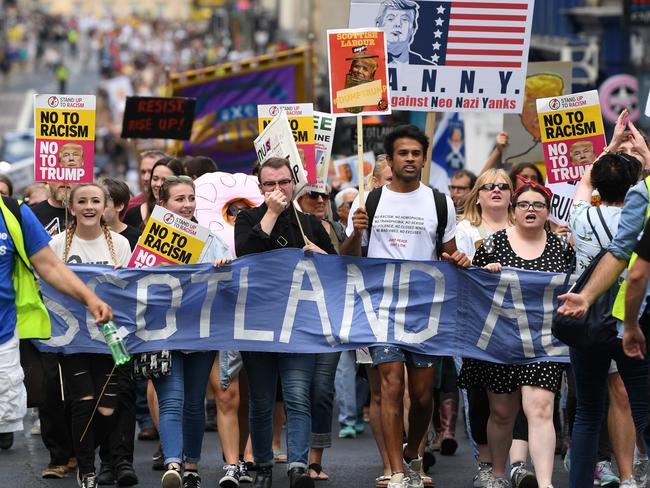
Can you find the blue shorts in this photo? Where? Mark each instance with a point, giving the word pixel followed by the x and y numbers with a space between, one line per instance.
pixel 395 354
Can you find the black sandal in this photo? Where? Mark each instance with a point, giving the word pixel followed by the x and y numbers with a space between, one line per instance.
pixel 318 469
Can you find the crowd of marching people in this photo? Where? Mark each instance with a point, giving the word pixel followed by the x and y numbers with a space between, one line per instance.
pixel 412 401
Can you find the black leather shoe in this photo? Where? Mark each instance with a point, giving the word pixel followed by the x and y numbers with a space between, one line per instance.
pixel 6 440
pixel 125 474
pixel 264 477
pixel 298 478
pixel 106 475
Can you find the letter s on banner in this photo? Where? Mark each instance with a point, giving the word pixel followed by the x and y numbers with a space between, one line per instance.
pixel 509 279
pixel 66 315
pixel 402 303
pixel 174 285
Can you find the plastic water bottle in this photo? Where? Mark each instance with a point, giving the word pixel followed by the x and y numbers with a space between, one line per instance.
pixel 115 344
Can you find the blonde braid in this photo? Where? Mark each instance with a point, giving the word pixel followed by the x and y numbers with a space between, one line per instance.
pixel 109 241
pixel 69 234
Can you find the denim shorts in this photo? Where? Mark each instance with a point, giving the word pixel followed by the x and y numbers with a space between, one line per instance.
pixel 393 354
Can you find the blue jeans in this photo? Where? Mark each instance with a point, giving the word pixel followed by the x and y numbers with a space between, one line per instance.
pixel 346 392
pixel 322 399
pixel 181 399
pixel 590 370
pixel 296 372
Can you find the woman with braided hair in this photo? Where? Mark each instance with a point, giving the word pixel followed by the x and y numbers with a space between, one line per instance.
pixel 89 241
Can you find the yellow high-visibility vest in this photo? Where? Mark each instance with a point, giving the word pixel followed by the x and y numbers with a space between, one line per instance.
pixel 618 310
pixel 32 318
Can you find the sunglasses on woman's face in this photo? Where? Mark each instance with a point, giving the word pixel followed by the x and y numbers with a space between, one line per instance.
pixel 492 186
pixel 314 195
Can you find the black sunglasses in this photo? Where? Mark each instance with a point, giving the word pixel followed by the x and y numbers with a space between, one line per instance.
pixel 315 194
pixel 492 186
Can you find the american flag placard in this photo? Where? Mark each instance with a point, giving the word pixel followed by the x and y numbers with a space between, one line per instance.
pixel 460 55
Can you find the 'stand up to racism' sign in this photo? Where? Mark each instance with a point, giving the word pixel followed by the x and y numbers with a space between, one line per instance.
pixel 65 138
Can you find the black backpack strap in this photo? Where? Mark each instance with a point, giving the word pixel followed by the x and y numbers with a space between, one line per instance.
pixel 440 200
pixel 593 229
pixel 604 224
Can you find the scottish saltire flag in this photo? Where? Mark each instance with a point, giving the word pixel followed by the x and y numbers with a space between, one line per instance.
pixel 448 143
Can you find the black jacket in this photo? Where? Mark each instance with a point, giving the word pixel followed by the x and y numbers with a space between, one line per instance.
pixel 250 238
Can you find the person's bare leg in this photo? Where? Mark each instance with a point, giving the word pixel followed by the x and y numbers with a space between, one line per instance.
pixel 518 451
pixel 622 433
pixel 392 399
pixel 227 418
pixel 420 382
pixel 374 382
pixel 278 422
pixel 152 402
pixel 503 412
pixel 538 407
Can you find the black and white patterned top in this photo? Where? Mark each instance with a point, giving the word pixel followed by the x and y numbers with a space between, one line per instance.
pixel 507 378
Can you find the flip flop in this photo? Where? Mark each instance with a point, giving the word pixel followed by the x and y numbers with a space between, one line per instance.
pixel 280 457
pixel 382 481
pixel 318 469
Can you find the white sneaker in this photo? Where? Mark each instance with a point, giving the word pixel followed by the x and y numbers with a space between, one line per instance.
pixel 631 483
pixel 640 470
pixel 413 472
pixel 398 480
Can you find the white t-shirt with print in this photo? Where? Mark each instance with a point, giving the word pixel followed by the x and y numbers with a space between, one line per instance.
pixel 94 251
pixel 586 242
pixel 404 225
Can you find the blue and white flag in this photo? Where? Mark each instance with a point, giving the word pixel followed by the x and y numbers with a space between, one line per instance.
pixel 286 301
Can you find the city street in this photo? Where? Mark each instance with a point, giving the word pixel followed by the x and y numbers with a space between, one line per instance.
pixel 350 463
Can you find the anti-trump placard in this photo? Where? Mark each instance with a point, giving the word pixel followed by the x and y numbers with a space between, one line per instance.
pixel 169 238
pixel 64 147
pixel 301 120
pixel 452 55
pixel 358 72
pixel 572 134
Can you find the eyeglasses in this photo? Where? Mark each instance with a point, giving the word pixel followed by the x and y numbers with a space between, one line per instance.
pixel 270 185
pixel 345 205
pixel 233 210
pixel 181 178
pixel 314 195
pixel 458 188
pixel 492 186
pixel 524 205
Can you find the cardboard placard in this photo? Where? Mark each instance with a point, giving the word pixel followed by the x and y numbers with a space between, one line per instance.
pixel 277 141
pixel 158 118
pixel 572 134
pixel 324 127
pixel 358 72
pixel 450 56
pixel 301 120
pixel 64 145
pixel 169 238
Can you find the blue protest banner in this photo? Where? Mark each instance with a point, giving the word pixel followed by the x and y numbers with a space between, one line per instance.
pixel 286 301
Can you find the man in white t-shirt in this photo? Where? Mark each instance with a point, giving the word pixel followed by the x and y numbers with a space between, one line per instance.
pixel 404 227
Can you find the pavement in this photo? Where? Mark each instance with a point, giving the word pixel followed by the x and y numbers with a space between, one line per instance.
pixel 350 463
